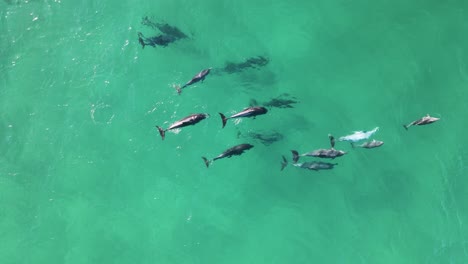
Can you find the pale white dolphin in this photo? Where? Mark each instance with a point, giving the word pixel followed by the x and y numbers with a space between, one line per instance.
pixel 359 135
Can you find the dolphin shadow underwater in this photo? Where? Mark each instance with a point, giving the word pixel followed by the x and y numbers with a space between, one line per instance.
pixel 238 67
pixel 252 62
pixel 164 28
pixel 283 100
pixel 170 34
pixel 265 137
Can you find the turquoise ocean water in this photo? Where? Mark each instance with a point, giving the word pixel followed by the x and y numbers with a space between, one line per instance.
pixel 86 178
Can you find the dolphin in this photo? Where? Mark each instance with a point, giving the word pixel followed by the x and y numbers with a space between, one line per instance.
pixel 247 112
pixel 234 151
pixel 369 144
pixel 316 165
pixel 186 121
pixel 425 120
pixel 359 135
pixel 321 153
pixel 199 77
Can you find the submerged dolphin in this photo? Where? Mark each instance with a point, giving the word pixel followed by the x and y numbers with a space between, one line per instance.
pixel 369 144
pixel 186 121
pixel 247 112
pixel 359 135
pixel 234 151
pixel 199 77
pixel 321 153
pixel 422 121
pixel 316 165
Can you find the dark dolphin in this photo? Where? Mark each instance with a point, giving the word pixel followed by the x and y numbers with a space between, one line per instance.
pixel 234 151
pixel 247 112
pixel 199 77
pixel 422 121
pixel 186 121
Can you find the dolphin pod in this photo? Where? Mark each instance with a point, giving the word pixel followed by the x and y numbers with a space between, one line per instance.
pixel 170 34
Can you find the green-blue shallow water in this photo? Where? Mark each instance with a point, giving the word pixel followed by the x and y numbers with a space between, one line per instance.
pixel 86 178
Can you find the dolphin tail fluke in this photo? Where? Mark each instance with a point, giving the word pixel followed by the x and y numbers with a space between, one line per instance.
pixel 141 40
pixel 406 127
pixel 161 132
pixel 207 162
pixel 178 89
pixel 223 118
pixel 295 156
pixel 284 163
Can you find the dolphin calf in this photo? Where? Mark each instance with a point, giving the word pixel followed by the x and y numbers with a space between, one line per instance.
pixel 247 112
pixel 234 151
pixel 422 121
pixel 321 153
pixel 316 165
pixel 199 77
pixel 186 121
pixel 359 135
pixel 369 144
